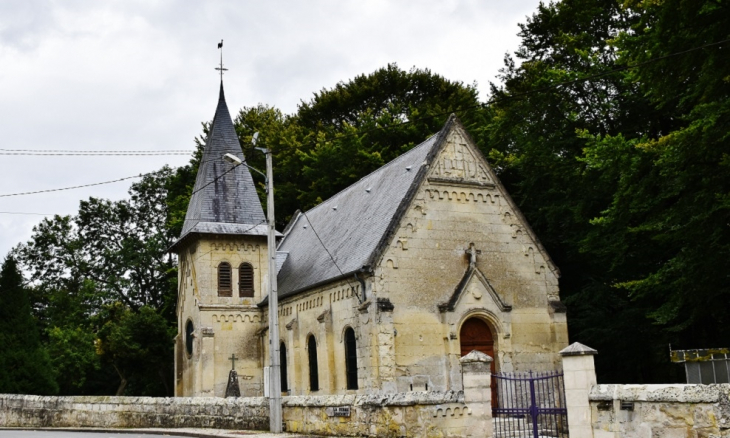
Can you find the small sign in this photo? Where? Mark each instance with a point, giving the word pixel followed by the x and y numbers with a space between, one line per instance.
pixel 338 411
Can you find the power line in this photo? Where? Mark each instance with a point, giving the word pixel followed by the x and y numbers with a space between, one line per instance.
pixel 20 212
pixel 490 101
pixel 75 154
pixel 96 151
pixel 76 187
pixel 330 254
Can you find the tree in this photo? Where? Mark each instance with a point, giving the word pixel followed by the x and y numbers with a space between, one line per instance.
pixel 110 255
pixel 26 366
pixel 666 228
pixel 618 159
pixel 137 345
pixel 348 131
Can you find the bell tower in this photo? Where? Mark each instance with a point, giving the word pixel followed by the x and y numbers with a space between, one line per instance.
pixel 223 272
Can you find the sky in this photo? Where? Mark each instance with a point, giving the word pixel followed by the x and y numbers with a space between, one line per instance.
pixel 88 75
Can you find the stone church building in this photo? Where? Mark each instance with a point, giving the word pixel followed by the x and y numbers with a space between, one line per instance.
pixel 382 288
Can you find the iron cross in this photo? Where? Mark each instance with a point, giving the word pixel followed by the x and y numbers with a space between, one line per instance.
pixel 221 69
pixel 233 361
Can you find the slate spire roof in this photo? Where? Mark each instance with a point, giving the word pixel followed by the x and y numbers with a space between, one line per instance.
pixel 224 199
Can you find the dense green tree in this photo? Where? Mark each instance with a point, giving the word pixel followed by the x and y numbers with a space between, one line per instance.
pixel 346 132
pixel 665 235
pixel 560 86
pixel 137 345
pixel 619 162
pixel 25 364
pixel 110 254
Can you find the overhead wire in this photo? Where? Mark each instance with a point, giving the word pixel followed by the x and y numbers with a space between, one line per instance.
pixel 330 255
pixel 491 100
pixel 95 154
pixel 96 151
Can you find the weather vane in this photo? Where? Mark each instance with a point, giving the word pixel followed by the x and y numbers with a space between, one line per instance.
pixel 221 69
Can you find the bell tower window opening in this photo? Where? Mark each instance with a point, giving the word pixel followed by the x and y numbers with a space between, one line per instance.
pixel 224 280
pixel 351 358
pixel 313 371
pixel 245 280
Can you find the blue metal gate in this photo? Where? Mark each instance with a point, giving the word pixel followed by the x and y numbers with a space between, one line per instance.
pixel 530 405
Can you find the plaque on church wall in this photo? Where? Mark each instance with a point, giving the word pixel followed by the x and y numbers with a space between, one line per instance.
pixel 338 411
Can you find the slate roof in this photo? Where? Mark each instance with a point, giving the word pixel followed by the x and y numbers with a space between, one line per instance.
pixel 354 224
pixel 224 199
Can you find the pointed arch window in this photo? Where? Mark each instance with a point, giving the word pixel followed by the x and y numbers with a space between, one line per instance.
pixel 224 280
pixel 189 330
pixel 351 358
pixel 245 280
pixel 282 363
pixel 313 371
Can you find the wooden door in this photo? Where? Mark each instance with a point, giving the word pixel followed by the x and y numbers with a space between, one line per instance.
pixel 476 335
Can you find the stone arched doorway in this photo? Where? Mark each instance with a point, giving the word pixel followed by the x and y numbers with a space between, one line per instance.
pixel 475 334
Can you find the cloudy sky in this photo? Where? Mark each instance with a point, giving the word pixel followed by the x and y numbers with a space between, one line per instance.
pixel 89 75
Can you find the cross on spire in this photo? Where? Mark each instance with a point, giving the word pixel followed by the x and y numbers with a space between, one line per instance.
pixel 233 361
pixel 221 69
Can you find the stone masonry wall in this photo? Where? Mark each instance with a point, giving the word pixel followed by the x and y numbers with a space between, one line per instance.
pixel 671 411
pixel 134 412
pixel 414 414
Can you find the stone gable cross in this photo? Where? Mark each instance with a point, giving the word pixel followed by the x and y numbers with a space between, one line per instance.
pixel 473 252
pixel 233 361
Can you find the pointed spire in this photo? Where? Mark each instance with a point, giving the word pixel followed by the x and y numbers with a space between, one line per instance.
pixel 224 199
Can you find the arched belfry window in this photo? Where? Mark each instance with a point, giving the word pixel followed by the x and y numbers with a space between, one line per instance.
pixel 282 364
pixel 313 371
pixel 224 280
pixel 351 358
pixel 189 329
pixel 245 280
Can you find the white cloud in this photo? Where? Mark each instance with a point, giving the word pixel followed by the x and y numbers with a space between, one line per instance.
pixel 123 74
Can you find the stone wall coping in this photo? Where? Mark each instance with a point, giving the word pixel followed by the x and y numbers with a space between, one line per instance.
pixel 682 393
pixel 122 400
pixel 374 400
pixel 577 349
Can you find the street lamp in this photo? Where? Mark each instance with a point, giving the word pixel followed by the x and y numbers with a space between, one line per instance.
pixel 275 416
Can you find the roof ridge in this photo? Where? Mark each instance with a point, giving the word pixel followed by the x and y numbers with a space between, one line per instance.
pixel 379 169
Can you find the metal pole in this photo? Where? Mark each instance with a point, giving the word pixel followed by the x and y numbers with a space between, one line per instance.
pixel 275 417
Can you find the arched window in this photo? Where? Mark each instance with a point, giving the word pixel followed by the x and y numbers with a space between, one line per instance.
pixel 313 372
pixel 351 358
pixel 245 280
pixel 189 329
pixel 224 280
pixel 282 363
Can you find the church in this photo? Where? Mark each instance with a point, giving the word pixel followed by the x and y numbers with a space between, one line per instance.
pixel 381 288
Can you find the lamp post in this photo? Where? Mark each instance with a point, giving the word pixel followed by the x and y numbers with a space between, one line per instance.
pixel 275 415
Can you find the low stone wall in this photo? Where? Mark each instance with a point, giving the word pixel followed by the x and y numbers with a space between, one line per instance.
pixel 647 411
pixel 250 413
pixel 411 414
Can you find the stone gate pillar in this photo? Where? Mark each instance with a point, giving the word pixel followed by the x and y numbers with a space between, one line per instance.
pixel 477 382
pixel 579 376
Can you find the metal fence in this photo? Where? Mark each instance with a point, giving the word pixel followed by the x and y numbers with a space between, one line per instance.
pixel 705 366
pixel 530 405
